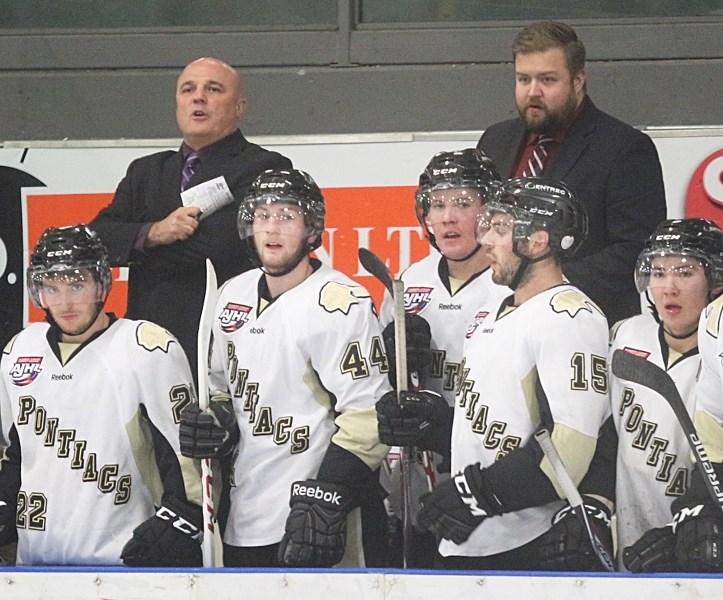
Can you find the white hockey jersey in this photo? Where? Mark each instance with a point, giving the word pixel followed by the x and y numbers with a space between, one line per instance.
pixel 304 370
pixel 654 465
pixel 86 432
pixel 427 294
pixel 559 336
pixel 709 391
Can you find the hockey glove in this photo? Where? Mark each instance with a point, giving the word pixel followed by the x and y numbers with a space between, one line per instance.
pixel 422 419
pixel 315 533
pixel 654 552
pixel 208 433
pixel 458 505
pixel 566 546
pixel 8 531
pixel 419 342
pixel 699 539
pixel 170 538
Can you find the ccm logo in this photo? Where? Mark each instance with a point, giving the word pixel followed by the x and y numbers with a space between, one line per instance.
pixel 59 253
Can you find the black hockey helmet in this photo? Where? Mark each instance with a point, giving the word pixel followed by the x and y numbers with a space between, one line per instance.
pixel 289 187
pixel 540 203
pixel 462 169
pixel 699 239
pixel 64 252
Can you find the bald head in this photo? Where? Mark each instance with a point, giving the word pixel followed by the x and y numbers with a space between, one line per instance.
pixel 209 101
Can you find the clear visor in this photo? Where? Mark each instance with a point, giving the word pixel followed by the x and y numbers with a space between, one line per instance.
pixel 664 269
pixel 56 287
pixel 452 204
pixel 501 221
pixel 272 214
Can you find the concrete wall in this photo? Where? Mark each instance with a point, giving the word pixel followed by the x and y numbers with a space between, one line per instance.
pixel 345 79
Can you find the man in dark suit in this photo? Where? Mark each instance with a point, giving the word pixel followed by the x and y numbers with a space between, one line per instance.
pixel 611 167
pixel 147 227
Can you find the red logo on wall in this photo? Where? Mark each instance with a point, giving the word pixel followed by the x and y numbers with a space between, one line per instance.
pixel 704 197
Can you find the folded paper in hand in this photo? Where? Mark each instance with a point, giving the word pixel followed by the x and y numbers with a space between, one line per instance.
pixel 209 196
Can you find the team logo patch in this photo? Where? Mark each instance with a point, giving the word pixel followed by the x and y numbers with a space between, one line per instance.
pixel 340 296
pixel 416 299
pixel 25 370
pixel 476 322
pixel 153 337
pixel 234 316
pixel 637 352
pixel 572 302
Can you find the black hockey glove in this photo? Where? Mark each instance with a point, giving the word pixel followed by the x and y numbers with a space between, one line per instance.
pixel 566 546
pixel 208 433
pixel 458 505
pixel 419 342
pixel 699 539
pixel 422 419
pixel 654 552
pixel 8 531
pixel 170 538
pixel 315 533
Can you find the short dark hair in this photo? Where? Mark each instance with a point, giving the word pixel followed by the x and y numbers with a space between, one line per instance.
pixel 545 35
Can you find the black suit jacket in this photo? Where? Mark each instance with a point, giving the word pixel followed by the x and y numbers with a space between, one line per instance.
pixel 614 170
pixel 166 284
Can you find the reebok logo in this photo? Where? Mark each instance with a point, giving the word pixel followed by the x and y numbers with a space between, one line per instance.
pixel 316 493
pixel 61 377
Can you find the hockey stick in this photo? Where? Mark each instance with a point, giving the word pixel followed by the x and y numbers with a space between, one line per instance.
pixel 203 345
pixel 372 263
pixel 573 497
pixel 643 372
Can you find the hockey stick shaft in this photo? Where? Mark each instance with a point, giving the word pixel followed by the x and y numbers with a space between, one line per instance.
pixel 372 263
pixel 646 373
pixel 203 348
pixel 572 495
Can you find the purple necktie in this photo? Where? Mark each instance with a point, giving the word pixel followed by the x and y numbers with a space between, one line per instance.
pixel 189 168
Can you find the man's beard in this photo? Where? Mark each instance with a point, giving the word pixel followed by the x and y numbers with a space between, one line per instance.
pixel 550 121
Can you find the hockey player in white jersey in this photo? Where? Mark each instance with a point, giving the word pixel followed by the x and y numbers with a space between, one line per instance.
pixel 441 294
pixel 503 493
pixel 90 468
pixel 680 270
pixel 297 365
pixel 697 520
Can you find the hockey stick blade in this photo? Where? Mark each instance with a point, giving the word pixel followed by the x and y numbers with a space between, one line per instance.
pixel 643 372
pixel 372 263
pixel 203 340
pixel 573 497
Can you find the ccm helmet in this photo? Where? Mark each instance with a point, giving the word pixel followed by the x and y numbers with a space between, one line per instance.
pixel 292 187
pixel 464 169
pixel 64 252
pixel 541 203
pixel 699 239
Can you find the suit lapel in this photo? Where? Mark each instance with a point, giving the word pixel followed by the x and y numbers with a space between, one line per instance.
pixel 575 145
pixel 507 162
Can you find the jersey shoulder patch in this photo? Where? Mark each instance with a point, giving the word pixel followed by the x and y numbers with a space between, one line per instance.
pixel 335 295
pixel 712 317
pixel 572 302
pixel 153 337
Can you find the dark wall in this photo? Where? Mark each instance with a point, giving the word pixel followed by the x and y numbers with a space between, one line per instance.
pixel 343 80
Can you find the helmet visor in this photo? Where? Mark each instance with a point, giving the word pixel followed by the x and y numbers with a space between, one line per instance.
pixel 665 269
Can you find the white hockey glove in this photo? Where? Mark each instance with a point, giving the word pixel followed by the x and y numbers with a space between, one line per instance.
pixel 458 506
pixel 208 433
pixel 170 538
pixel 316 526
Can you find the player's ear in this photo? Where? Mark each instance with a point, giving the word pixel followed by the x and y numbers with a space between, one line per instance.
pixel 538 242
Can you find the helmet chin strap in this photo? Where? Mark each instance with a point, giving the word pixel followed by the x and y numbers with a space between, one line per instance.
pixel 525 263
pixel 98 308
pixel 478 247
pixel 303 252
pixel 680 337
